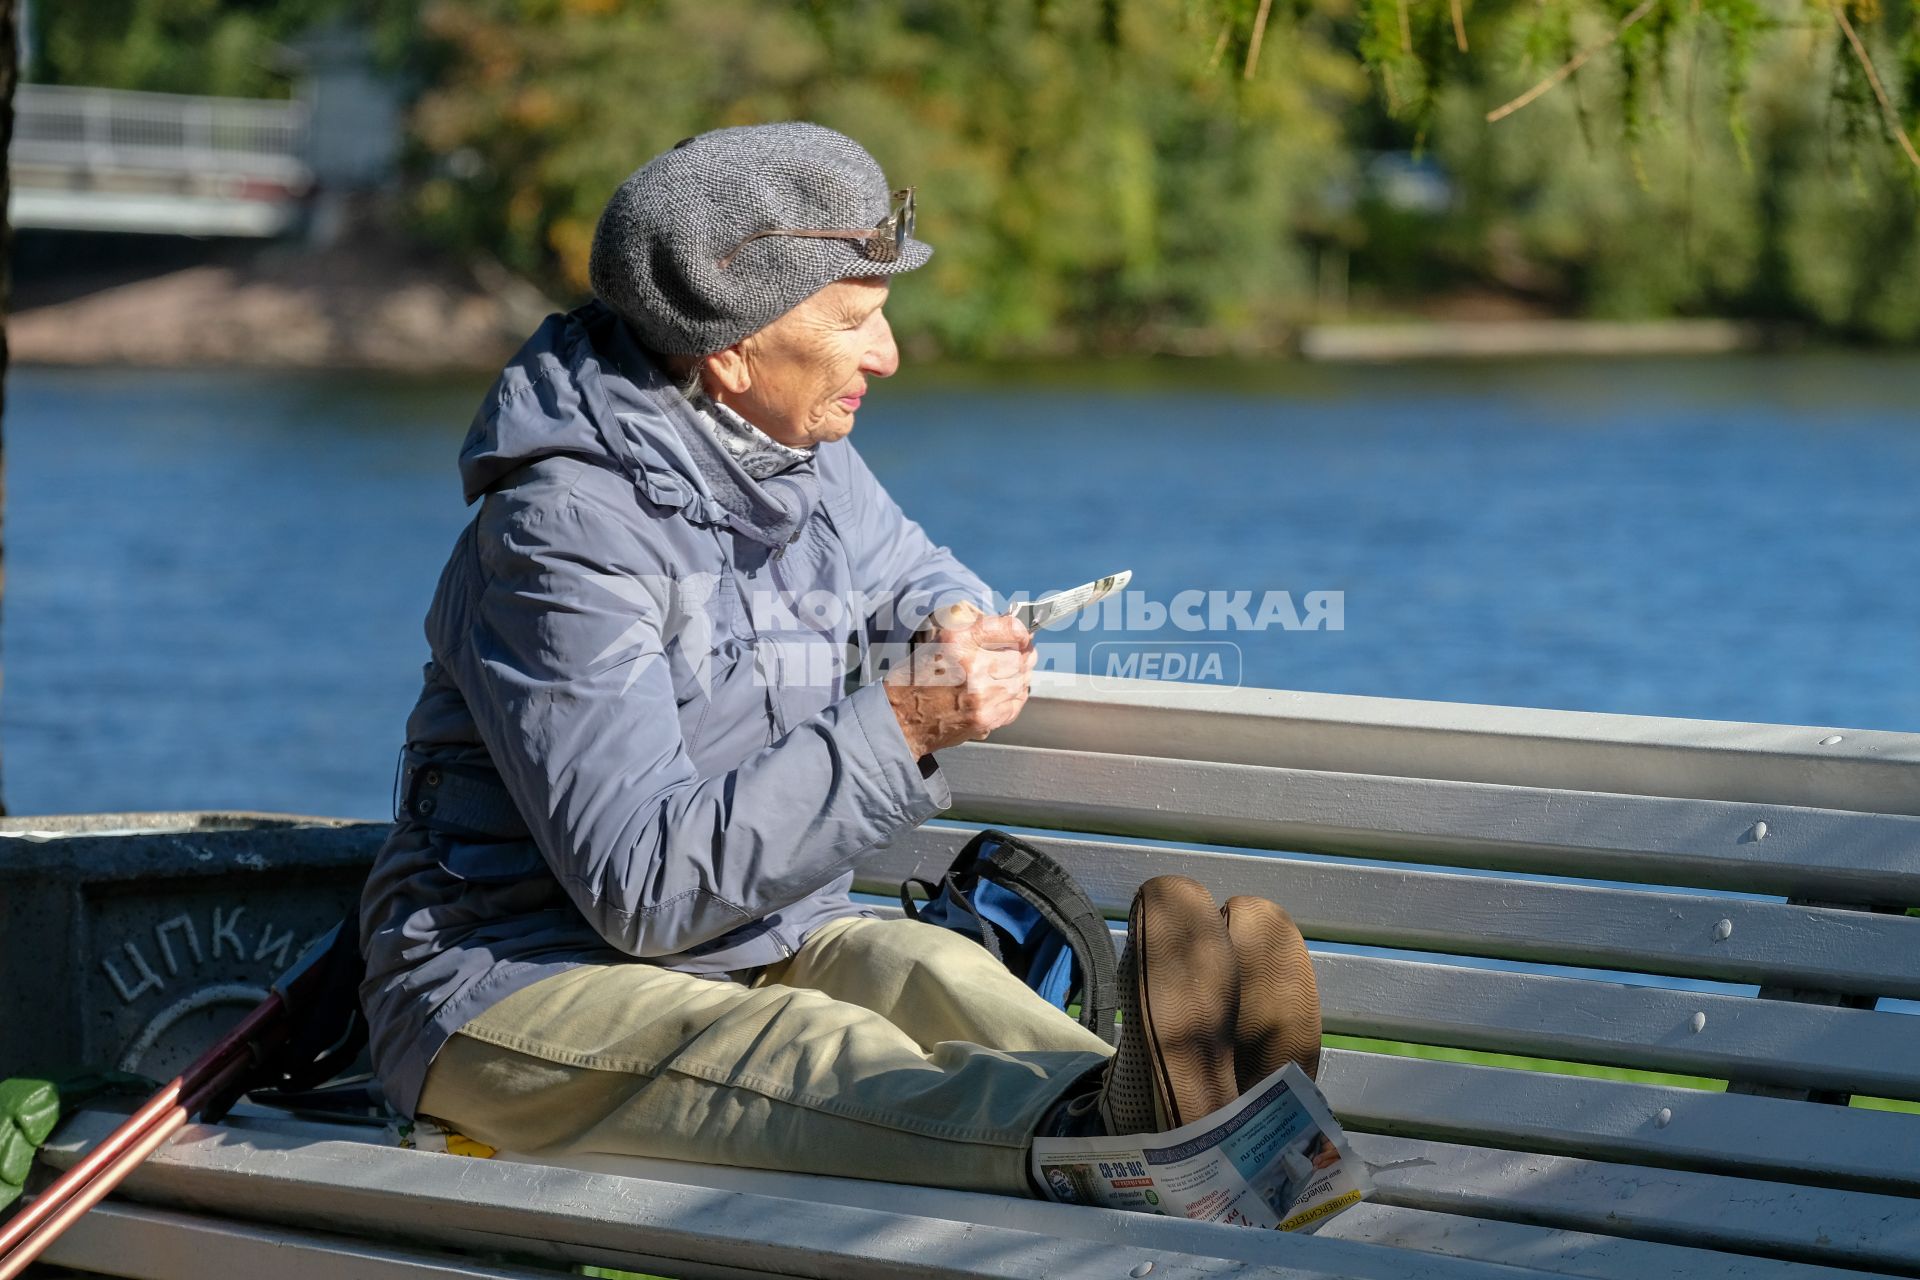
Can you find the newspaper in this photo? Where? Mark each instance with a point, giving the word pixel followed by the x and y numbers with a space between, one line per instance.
pixel 1276 1158
pixel 1036 614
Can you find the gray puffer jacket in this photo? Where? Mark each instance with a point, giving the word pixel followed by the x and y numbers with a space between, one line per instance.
pixel 650 653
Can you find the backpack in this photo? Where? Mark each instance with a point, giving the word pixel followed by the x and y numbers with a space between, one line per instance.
pixel 1023 907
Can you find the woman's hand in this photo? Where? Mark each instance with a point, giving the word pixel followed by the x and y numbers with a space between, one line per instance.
pixel 965 678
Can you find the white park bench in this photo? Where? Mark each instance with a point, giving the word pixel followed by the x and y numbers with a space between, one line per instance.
pixel 1728 857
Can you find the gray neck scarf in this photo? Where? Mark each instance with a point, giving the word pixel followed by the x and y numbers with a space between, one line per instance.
pixel 758 453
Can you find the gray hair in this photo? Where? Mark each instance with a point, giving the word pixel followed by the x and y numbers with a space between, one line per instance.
pixel 686 374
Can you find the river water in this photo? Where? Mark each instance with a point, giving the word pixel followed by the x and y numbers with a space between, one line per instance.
pixel 214 581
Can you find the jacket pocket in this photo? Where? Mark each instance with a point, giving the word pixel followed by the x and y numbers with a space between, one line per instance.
pixel 492 862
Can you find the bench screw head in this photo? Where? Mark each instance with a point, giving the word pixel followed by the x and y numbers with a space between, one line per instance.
pixel 1757 832
pixel 1698 1022
pixel 1141 1270
pixel 1664 1119
pixel 1723 931
pixel 1831 739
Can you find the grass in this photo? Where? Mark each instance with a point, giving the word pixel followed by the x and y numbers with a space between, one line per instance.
pixel 1439 1053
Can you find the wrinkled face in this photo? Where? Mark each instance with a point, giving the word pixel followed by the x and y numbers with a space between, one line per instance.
pixel 802 377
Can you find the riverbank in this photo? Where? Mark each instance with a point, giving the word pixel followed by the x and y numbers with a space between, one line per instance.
pixel 374 301
pixel 1507 339
pixel 369 302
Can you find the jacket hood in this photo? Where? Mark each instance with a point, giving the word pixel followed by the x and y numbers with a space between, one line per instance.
pixel 547 402
pixel 581 387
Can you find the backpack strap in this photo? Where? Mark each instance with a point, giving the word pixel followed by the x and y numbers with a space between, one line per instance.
pixel 1043 882
pixel 949 886
pixel 907 904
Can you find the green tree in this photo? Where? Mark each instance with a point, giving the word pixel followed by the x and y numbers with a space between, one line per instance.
pixel 1165 175
pixel 223 47
pixel 1791 206
pixel 1088 178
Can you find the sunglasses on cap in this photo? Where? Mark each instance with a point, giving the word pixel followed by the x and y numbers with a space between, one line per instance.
pixel 884 241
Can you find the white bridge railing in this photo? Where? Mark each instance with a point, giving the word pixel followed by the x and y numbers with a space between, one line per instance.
pixel 76 129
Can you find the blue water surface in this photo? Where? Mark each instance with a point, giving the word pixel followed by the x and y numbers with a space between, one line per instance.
pixel 214 580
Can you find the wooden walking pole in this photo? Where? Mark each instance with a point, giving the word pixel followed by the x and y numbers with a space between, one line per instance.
pixel 38 1225
pixel 304 1032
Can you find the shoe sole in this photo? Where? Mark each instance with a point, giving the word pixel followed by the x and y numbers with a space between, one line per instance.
pixel 1185 976
pixel 1278 1020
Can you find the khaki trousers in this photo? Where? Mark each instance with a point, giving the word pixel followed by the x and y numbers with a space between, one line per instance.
pixel 885 1049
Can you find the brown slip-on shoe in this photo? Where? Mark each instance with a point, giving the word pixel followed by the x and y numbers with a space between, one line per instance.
pixel 1278 1020
pixel 1178 1003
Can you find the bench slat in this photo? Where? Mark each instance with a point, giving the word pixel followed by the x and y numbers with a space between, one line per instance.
pixel 1867 770
pixel 1571 1253
pixel 1777 1042
pixel 1781 1220
pixel 1809 853
pixel 568 1214
pixel 153 1244
pixel 168 1246
pixel 1649 1028
pixel 1629 929
pixel 1419 1177
pixel 1388 1223
pixel 1733 1133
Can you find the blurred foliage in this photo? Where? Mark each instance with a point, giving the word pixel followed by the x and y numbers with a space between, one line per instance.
pixel 225 47
pixel 1168 175
pixel 1179 175
pixel 1088 178
pixel 1795 208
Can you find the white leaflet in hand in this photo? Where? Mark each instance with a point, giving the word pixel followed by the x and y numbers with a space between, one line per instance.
pixel 1038 613
pixel 1276 1158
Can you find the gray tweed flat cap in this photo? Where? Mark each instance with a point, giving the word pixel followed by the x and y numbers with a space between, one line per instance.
pixel 657 249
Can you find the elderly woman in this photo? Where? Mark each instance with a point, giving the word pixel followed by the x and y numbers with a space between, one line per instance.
pixel 613 914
